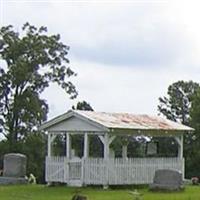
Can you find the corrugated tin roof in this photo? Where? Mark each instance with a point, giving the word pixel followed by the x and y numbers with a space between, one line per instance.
pixel 132 121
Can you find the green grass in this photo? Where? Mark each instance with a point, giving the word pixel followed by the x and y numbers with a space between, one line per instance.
pixel 40 192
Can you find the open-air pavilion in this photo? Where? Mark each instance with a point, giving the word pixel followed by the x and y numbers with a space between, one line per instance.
pixel 109 169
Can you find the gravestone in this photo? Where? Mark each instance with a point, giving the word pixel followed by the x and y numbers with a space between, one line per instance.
pixel 14 169
pixel 14 165
pixel 166 179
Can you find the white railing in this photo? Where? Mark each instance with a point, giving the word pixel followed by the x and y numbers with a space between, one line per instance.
pixel 118 171
pixel 55 169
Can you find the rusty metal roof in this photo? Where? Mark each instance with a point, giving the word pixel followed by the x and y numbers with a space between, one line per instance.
pixel 132 121
pixel 120 121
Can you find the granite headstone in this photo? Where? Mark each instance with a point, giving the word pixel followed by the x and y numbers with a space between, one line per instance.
pixel 14 165
pixel 166 179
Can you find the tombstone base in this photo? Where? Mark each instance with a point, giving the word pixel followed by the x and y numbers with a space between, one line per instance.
pixel 12 180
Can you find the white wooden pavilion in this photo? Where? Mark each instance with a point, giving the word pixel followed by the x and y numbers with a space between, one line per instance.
pixel 109 170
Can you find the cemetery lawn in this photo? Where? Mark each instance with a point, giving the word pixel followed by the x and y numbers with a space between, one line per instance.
pixel 41 192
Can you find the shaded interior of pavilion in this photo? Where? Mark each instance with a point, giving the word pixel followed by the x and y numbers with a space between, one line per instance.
pixel 121 146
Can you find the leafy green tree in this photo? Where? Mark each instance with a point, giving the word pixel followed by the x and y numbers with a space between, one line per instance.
pixel 83 105
pixel 32 60
pixel 194 157
pixel 181 105
pixel 176 105
pixel 195 112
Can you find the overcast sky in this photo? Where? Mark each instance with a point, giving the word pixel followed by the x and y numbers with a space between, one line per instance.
pixel 126 53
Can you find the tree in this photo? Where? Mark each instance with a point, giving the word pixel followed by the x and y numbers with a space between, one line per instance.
pixel 33 60
pixel 176 106
pixel 82 105
pixel 181 105
pixel 195 112
pixel 194 158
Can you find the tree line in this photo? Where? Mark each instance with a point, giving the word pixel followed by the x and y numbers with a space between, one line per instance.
pixel 32 60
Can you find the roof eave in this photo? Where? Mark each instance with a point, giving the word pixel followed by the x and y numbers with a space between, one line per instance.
pixel 161 132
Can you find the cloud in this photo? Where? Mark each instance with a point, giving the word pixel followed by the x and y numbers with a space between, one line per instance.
pixel 134 34
pixel 125 53
pixel 124 89
pixel 157 47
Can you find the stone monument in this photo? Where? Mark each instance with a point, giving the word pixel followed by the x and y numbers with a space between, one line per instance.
pixel 14 170
pixel 166 179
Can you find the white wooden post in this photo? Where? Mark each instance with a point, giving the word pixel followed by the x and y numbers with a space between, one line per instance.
pixel 125 142
pixel 106 146
pixel 68 145
pixel 181 147
pixel 106 159
pixel 51 138
pixel 179 140
pixel 106 140
pixel 49 145
pixel 48 154
pixel 181 156
pixel 86 146
pixel 68 155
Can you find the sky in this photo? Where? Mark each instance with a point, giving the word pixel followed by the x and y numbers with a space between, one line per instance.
pixel 125 53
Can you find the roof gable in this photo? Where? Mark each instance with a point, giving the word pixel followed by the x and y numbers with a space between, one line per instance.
pixel 72 121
